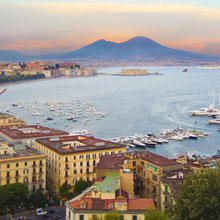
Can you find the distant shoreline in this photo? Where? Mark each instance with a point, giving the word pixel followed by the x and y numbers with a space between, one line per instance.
pixel 37 80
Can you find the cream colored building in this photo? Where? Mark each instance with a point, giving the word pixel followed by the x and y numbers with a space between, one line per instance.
pixel 72 158
pixel 22 164
pixel 7 120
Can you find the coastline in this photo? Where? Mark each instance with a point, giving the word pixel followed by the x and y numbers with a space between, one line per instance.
pixel 38 80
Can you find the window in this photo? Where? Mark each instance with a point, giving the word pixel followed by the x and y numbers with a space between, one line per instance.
pixel 147 165
pixel 69 214
pixel 112 152
pixel 87 157
pixel 16 164
pixel 87 170
pixel 134 163
pixel 34 163
pixel 81 163
pixel 81 217
pixel 8 165
pixel 41 162
pixel 87 163
pixel 155 169
pixel 74 157
pixel 66 159
pixel 120 152
pixel 166 199
pixel 154 177
pixel 8 181
pixel 40 171
pixel 94 163
pixel 106 153
pixel 81 170
pixel 25 163
pixel 166 189
pixel 154 189
pixel 25 171
pixel 100 154
pixel 74 164
pixel 17 173
pixel 134 217
pixel 75 171
pixel 81 157
pixel 142 163
pixel 94 156
pixel 34 188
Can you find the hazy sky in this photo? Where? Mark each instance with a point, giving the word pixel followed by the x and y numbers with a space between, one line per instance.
pixel 44 26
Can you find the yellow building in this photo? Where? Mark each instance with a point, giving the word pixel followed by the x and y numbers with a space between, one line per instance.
pixel 106 196
pixel 22 164
pixel 149 169
pixel 72 158
pixel 170 186
pixel 7 120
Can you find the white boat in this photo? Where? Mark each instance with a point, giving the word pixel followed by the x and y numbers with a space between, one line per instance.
pixel 214 121
pixel 209 111
pixel 177 138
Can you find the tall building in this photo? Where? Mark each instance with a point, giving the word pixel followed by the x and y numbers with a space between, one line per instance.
pixel 29 133
pixel 106 196
pixel 22 164
pixel 7 120
pixel 72 158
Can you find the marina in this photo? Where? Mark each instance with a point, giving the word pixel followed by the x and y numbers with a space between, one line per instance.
pixel 150 140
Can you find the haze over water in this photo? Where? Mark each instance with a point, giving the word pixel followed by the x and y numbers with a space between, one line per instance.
pixel 135 104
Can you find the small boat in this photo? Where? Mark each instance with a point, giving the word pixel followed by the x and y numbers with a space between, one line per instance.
pixel 69 118
pixel 49 119
pixel 185 70
pixel 214 121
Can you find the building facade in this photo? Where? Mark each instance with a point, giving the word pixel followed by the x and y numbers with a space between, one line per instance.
pixel 7 120
pixel 22 164
pixel 72 158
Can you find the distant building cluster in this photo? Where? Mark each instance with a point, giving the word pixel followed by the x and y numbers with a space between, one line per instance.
pixel 49 69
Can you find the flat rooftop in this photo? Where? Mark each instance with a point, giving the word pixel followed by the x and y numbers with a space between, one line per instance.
pixel 65 145
pixel 31 131
pixel 19 150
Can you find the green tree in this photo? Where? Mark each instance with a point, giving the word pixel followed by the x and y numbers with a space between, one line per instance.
pixel 80 186
pixel 66 191
pixel 199 198
pixel 37 200
pixel 13 197
pixel 156 215
pixel 108 216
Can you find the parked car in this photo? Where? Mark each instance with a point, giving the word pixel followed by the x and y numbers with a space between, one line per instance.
pixel 57 216
pixel 40 211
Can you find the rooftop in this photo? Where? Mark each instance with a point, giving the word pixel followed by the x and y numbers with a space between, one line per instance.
pixel 16 151
pixel 76 143
pixel 111 161
pixel 109 184
pixel 156 159
pixel 31 131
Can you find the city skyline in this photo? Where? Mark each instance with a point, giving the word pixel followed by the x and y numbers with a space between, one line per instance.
pixel 41 27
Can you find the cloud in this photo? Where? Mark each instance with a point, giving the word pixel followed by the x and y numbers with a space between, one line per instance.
pixel 55 26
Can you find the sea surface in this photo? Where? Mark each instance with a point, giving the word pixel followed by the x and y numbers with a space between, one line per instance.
pixel 134 104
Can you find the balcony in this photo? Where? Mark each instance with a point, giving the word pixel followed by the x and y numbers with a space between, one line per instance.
pixel 41 164
pixel 17 176
pixel 66 168
pixel 34 165
pixel 66 176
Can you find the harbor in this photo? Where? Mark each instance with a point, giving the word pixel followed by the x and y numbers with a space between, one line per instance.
pixel 150 140
pixel 140 106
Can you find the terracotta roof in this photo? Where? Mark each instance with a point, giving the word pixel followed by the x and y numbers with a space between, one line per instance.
pixel 99 204
pixel 110 161
pixel 121 192
pixel 37 132
pixel 140 204
pixel 157 159
pixel 89 144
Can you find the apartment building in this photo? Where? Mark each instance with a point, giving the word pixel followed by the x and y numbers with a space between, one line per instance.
pixel 72 158
pixel 7 120
pixel 22 164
